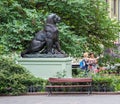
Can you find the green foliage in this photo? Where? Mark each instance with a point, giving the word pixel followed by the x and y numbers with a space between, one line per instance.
pixel 61 74
pixel 103 83
pixel 88 18
pixel 18 23
pixel 107 80
pixel 117 83
pixel 84 27
pixel 1 49
pixel 108 60
pixel 14 79
pixel 70 42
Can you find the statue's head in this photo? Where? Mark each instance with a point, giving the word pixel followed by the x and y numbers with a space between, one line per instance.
pixel 53 19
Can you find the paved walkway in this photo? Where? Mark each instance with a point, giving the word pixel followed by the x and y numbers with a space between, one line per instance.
pixel 61 99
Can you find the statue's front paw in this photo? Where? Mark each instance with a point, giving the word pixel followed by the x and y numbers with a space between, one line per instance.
pixel 62 52
pixel 49 53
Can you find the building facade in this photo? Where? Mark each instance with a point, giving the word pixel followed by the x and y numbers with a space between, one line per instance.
pixel 114 11
pixel 113 8
pixel 119 18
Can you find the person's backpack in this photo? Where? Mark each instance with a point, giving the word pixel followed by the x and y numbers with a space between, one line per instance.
pixel 83 64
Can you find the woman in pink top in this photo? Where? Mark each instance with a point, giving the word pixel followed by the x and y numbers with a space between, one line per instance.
pixel 92 62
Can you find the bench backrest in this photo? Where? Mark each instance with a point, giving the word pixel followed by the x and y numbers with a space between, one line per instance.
pixel 56 80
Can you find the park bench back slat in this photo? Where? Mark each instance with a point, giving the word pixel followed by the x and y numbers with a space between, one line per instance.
pixel 51 80
pixel 67 86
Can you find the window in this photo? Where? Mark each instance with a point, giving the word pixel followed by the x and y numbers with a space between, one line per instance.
pixel 107 4
pixel 114 7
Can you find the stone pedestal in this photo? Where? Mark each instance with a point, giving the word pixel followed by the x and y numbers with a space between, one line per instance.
pixel 47 67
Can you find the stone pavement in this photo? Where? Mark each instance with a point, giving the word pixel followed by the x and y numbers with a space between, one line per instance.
pixel 61 99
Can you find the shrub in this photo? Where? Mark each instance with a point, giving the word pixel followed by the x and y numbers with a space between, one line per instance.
pixel 15 79
pixel 102 81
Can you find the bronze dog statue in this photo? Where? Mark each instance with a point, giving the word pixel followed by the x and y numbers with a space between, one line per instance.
pixel 47 40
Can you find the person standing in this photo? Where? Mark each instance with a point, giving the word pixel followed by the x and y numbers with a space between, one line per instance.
pixel 85 57
pixel 84 63
pixel 93 63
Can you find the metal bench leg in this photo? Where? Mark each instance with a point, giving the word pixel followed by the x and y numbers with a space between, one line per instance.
pixel 90 87
pixel 90 90
pixel 49 91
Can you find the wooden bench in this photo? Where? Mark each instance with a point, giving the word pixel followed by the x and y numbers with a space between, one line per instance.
pixel 69 83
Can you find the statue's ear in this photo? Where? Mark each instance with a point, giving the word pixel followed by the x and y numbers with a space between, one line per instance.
pixel 54 18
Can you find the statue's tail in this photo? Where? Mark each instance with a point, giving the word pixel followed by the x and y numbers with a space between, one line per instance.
pixel 23 53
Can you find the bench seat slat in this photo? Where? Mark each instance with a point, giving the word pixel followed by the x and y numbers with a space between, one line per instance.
pixel 67 86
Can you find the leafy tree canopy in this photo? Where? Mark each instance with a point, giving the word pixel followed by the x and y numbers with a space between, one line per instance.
pixel 85 24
